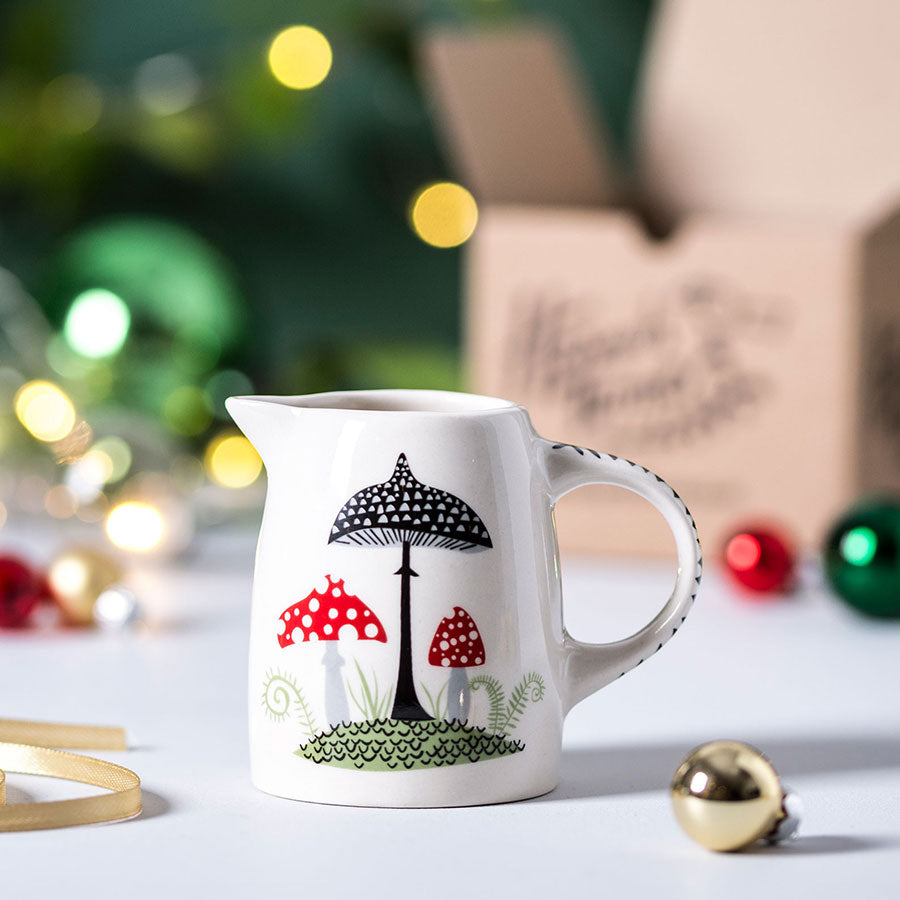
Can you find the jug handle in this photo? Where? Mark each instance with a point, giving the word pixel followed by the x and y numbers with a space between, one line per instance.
pixel 589 667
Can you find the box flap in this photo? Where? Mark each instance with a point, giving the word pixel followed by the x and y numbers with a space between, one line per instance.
pixel 767 107
pixel 514 117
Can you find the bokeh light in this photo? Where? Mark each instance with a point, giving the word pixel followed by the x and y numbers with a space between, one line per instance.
pixel 71 104
pixel 167 84
pixel 60 502
pixel 859 545
pixel 232 461
pixel 117 452
pixel 135 526
pixel 300 57
pixel 444 214
pixel 97 323
pixel 187 410
pixel 743 552
pixel 45 410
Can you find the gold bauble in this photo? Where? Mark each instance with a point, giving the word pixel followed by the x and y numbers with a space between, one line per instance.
pixel 77 577
pixel 726 795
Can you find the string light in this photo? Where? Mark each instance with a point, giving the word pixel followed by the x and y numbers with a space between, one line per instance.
pixel 97 323
pixel 300 57
pixel 444 214
pixel 45 410
pixel 231 461
pixel 135 526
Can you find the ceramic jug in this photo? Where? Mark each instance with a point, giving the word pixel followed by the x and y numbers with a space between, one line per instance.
pixel 407 640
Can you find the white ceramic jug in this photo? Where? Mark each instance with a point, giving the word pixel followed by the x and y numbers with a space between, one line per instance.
pixel 407 643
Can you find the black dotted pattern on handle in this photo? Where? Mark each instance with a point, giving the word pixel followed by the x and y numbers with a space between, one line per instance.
pixel 697 548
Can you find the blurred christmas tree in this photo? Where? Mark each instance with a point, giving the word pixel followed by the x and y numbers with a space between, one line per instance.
pixel 213 198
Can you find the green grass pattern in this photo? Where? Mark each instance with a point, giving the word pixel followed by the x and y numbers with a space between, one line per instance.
pixel 437 706
pixel 389 745
pixel 371 703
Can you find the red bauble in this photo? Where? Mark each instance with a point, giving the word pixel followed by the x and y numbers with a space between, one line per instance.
pixel 21 590
pixel 760 559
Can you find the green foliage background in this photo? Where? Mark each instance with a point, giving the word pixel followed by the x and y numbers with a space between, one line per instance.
pixel 304 193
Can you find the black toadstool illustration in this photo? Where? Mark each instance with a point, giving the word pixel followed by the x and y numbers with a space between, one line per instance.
pixel 404 511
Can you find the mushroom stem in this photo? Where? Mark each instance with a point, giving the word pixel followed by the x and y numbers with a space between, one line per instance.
pixel 336 709
pixel 459 696
pixel 406 701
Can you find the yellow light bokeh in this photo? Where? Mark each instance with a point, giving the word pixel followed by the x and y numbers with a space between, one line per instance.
pixel 44 410
pixel 444 214
pixel 300 57
pixel 115 453
pixel 232 461
pixel 135 526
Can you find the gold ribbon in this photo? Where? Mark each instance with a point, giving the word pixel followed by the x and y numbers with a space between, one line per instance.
pixel 25 747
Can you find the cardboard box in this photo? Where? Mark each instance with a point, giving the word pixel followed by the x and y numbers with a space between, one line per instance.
pixel 753 362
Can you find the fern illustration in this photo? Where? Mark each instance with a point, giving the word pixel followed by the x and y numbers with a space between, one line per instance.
pixel 280 694
pixel 437 705
pixel 529 689
pixel 371 702
pixel 496 698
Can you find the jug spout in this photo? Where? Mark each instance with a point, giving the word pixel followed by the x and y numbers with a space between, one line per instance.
pixel 262 419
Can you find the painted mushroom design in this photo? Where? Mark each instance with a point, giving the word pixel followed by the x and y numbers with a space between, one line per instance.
pixel 457 645
pixel 404 511
pixel 331 615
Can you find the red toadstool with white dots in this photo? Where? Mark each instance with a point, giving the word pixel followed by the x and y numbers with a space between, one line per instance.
pixel 457 645
pixel 331 615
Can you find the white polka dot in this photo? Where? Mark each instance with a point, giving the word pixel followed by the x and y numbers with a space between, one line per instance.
pixel 281 627
pixel 452 625
pixel 473 635
pixel 327 629
pixel 296 612
pixel 297 635
pixel 352 613
pixel 348 633
pixel 452 642
pixel 464 659
pixel 477 660
pixel 336 592
pixel 443 645
pixel 371 630
pixel 313 605
pixel 332 613
pixel 445 662
pixel 367 613
pixel 307 621
pixel 313 636
pixel 460 613
pixel 287 615
pixel 445 634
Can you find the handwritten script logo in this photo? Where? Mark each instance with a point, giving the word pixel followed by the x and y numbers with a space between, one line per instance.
pixel 672 367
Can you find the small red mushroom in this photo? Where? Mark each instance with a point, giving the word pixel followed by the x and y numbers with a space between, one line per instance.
pixel 457 645
pixel 331 615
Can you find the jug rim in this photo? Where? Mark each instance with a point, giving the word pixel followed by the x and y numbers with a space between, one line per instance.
pixel 390 401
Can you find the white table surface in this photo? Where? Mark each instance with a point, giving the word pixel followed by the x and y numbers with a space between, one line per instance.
pixel 805 679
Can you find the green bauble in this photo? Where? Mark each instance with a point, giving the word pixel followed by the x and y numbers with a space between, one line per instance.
pixel 862 557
